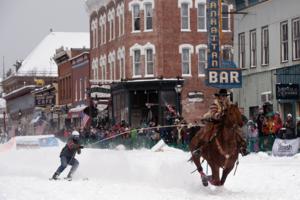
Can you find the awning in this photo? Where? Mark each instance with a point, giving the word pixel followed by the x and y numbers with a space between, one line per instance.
pixel 101 107
pixel 75 112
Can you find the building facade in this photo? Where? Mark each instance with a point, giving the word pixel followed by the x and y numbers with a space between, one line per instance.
pixel 267 46
pixel 153 54
pixel 73 73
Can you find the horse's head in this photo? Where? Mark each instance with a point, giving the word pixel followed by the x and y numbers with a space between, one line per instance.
pixel 233 116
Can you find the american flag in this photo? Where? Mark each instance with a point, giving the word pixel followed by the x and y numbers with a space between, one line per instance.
pixel 84 120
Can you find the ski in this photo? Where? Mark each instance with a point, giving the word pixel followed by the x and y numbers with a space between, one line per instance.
pixel 68 179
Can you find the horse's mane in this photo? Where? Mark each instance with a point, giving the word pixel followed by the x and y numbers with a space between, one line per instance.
pixel 232 116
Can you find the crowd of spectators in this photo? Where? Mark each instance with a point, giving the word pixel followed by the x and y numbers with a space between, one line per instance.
pixel 268 125
pixel 179 133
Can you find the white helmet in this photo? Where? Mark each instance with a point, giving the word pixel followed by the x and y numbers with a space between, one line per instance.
pixel 75 135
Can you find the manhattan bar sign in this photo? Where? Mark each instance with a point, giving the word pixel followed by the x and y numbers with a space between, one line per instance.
pixel 219 74
pixel 213 34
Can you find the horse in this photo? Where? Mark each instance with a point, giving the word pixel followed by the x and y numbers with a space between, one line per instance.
pixel 217 144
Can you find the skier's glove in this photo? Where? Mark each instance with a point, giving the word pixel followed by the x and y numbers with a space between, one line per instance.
pixel 81 147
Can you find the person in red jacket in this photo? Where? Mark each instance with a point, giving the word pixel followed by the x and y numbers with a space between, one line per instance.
pixel 67 156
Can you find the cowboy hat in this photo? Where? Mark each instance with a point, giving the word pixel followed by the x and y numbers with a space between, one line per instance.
pixel 222 92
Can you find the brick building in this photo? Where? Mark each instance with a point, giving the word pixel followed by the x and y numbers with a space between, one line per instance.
pixel 149 49
pixel 73 73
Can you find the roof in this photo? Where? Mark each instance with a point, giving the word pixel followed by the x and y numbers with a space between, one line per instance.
pixel 40 61
pixel 19 92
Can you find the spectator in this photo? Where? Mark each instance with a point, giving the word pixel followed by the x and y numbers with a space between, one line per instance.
pixel 290 126
pixel 260 121
pixel 277 123
pixel 252 136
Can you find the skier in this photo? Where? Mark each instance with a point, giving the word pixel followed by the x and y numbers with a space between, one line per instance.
pixel 67 156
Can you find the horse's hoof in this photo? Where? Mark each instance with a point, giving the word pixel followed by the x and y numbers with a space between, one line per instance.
pixel 204 180
pixel 214 182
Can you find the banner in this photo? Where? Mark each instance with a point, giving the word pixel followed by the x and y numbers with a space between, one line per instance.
pixel 220 73
pixel 285 147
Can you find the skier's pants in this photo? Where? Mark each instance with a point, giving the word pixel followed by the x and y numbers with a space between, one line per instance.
pixel 64 163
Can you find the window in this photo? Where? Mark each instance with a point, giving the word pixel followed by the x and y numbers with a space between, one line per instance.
pixel 121 58
pixel 242 50
pixel 227 53
pixel 296 38
pixel 225 17
pixel 104 29
pixel 136 18
pixel 148 16
pixel 120 14
pixel 185 61
pixel 93 34
pixel 186 50
pixel 111 71
pixel 122 68
pixel 102 73
pixel 201 17
pixel 137 62
pixel 185 15
pixel 103 67
pixel 202 60
pixel 284 41
pixel 80 89
pixel 253 48
pixel 85 86
pixel 104 70
pixel 149 62
pixel 112 27
pixel 76 97
pixel 265 46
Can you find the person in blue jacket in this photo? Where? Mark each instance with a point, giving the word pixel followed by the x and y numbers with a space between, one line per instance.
pixel 67 156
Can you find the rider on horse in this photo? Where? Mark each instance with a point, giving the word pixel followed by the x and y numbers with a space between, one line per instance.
pixel 214 117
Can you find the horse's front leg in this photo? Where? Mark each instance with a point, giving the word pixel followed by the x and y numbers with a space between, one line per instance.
pixel 215 179
pixel 196 154
pixel 225 173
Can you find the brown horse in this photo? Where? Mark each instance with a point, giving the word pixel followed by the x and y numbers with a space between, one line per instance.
pixel 217 143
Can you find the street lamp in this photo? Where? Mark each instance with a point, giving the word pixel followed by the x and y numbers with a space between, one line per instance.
pixel 178 89
pixel 52 110
pixel 20 114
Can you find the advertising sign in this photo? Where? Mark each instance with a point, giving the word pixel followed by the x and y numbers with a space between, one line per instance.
pixel 287 91
pixel 219 73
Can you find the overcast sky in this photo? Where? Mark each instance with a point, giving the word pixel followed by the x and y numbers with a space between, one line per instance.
pixel 24 23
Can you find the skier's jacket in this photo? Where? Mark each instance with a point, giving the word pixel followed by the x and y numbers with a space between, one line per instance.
pixel 71 148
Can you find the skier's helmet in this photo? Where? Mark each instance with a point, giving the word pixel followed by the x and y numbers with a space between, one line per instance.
pixel 75 135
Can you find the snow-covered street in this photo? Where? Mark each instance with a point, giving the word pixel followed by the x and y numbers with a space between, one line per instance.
pixel 141 174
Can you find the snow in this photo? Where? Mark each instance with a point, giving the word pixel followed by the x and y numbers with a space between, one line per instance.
pixel 40 61
pixel 142 174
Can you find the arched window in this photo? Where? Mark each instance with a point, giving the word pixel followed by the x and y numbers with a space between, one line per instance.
pixel 136 53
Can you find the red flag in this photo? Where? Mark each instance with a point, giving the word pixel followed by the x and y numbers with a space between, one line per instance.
pixel 85 119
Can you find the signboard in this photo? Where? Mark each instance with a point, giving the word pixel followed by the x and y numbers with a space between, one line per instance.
pixel 225 77
pixel 196 96
pixel 44 99
pixel 219 74
pixel 100 91
pixel 285 147
pixel 287 91
pixel 213 34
